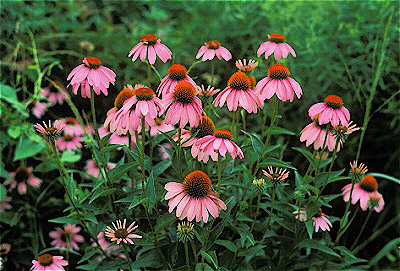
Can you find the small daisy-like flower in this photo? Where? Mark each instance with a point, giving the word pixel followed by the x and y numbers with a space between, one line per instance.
pixel 93 170
pixel 362 191
pixel 151 47
pixel 47 262
pixel 194 197
pixel 276 176
pixel 21 177
pixel 186 106
pixel 5 248
pixel 209 91
pixel 331 110
pixel 376 201
pixel 67 237
pixel 121 233
pixel 51 92
pixel 5 205
pixel 185 232
pixel 69 142
pixel 50 132
pixel 246 66
pixel 239 93
pixel 277 45
pixel 315 133
pixel 321 221
pixel 357 171
pixel 72 126
pixel 212 145
pixel 212 49
pixel 301 214
pixel 177 73
pixel 91 74
pixel 38 109
pixel 160 125
pixel 259 185
pixel 278 82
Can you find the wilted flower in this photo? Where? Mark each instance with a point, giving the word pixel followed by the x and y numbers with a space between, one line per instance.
pixel 209 91
pixel 50 132
pixel 357 171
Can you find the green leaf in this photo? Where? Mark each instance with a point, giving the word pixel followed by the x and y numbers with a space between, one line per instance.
pixel 164 221
pixel 9 94
pixel 310 227
pixel 65 220
pixel 150 192
pixel 216 232
pixel 203 267
pixel 384 176
pixel 308 155
pixel 3 192
pixel 27 148
pixel 89 252
pixel 211 259
pixel 71 186
pixel 151 259
pixel 161 166
pixel 170 140
pixel 112 264
pixel 308 243
pixel 270 161
pixel 280 131
pixel 46 166
pixel 70 157
pixel 228 244
pixel 255 141
pixel 101 193
pixel 385 251
pixel 116 173
pixel 135 202
pixel 14 131
pixel 91 217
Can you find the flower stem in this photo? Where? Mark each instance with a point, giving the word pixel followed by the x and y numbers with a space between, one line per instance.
pixel 212 71
pixel 272 208
pixel 178 154
pixel 341 232
pixel 255 216
pixel 148 75
pixel 187 256
pixel 96 130
pixel 362 229
pixel 143 145
pixel 219 175
pixel 127 257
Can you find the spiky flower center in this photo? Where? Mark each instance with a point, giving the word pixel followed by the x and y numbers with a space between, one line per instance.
pixel 46 260
pixel 333 101
pixel 184 93
pixel 239 81
pixel 197 184
pixel 149 39
pixel 144 94
pixel 124 94
pixel 278 71
pixel 214 44
pixel 121 233
pixel 224 134
pixel 185 227
pixel 51 131
pixel 21 174
pixel 277 38
pixel 177 72
pixel 206 127
pixel 92 62
pixel 369 184
pixel 68 137
pixel 70 121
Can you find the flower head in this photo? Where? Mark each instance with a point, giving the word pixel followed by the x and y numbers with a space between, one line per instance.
pixel 276 176
pixel 50 132
pixel 239 92
pixel 277 45
pixel 185 231
pixel 121 233
pixel 72 126
pixel 47 262
pixel 21 177
pixel 151 47
pixel 330 111
pixel 278 82
pixel 259 185
pixel 376 201
pixel 209 91
pixel 38 109
pixel 5 204
pixel 52 92
pixel 69 142
pixel 91 74
pixel 341 132
pixel 321 221
pixel 301 214
pixel 315 133
pixel 67 237
pixel 212 49
pixel 159 125
pixel 357 171
pixel 246 66
pixel 194 197
pixel 92 169
pixel 177 73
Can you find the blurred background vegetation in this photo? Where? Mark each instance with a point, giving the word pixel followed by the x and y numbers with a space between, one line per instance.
pixel 338 46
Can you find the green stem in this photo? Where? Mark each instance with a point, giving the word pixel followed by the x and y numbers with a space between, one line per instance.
pixel 272 208
pixel 212 71
pixel 362 229
pixel 127 257
pixel 194 252
pixel 341 232
pixel 148 75
pixel 255 216
pixel 187 256
pixel 96 130
pixel 194 64
pixel 219 175
pixel 143 145
pixel 178 154
pixel 130 159
pixel 243 113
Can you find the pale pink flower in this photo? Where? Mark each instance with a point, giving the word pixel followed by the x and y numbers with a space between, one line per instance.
pixel 93 170
pixel 121 233
pixel 4 204
pixel 50 132
pixel 246 66
pixel 163 152
pixel 193 198
pixel 212 145
pixel 53 94
pixel 46 262
pixel 276 176
pixel 72 126
pixel 116 139
pixel 330 111
pixel 278 82
pixel 105 246
pixel 160 125
pixel 184 106
pixel 376 201
pixel 276 45
pixel 321 221
pixel 363 190
pixel 177 73
pixel 315 133
pixel 20 178
pixel 91 74
pixel 301 214
pixel 69 142
pixel 212 49
pixel 239 93
pixel 67 237
pixel 189 137
pixel 209 91
pixel 39 109
pixel 151 47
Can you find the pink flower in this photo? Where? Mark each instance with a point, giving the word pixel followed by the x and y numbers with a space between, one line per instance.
pixel 209 91
pixel 38 109
pixel 151 47
pixel 276 176
pixel 276 44
pixel 245 66
pixel 91 73
pixel 72 126
pixel 185 108
pixel 278 82
pixel 363 191
pixel 67 237
pixel 93 170
pixel 188 138
pixel 105 246
pixel 239 93
pixel 315 133
pixel 51 92
pixel 50 132
pixel 301 214
pixel 4 204
pixel 212 49
pixel 321 221
pixel 160 125
pixel 46 262
pixel 331 110
pixel 176 74
pixel 121 233
pixel 193 198
pixel 69 142
pixel 21 177
pixel 376 201
pixel 212 145
pixel 115 138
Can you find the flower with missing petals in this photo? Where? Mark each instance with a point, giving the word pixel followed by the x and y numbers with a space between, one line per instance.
pixel 209 91
pixel 276 176
pixel 120 233
pixel 150 47
pixel 277 45
pixel 246 66
pixel 357 170
pixel 50 132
